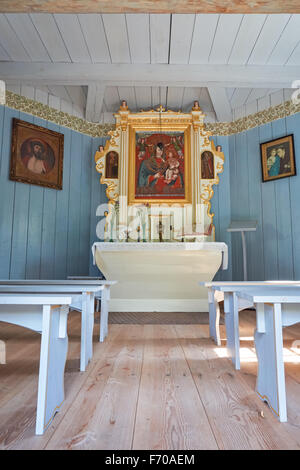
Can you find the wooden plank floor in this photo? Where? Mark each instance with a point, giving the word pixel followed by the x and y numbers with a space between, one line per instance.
pixel 151 387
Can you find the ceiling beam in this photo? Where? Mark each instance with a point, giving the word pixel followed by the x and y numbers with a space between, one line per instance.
pixel 148 6
pixel 233 76
pixel 220 103
pixel 94 102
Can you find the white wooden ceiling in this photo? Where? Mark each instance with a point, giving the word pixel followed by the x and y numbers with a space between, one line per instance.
pixel 256 42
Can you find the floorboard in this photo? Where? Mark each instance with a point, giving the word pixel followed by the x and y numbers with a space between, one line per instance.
pixel 151 387
pixel 170 414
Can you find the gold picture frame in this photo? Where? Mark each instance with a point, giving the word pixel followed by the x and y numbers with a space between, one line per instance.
pixel 36 155
pixel 164 130
pixel 278 158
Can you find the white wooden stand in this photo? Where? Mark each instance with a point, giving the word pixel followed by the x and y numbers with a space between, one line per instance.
pixel 243 226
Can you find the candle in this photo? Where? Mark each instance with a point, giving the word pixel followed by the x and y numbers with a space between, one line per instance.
pixel 160 227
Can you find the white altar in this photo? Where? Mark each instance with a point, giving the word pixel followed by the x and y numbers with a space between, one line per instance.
pixel 159 167
pixel 159 277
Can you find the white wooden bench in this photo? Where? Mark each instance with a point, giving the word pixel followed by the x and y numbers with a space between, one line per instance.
pixel 275 309
pixel 104 297
pixel 82 293
pixel 277 304
pixel 218 291
pixel 46 314
pixel 90 278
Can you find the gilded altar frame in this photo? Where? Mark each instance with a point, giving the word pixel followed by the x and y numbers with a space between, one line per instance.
pixel 196 204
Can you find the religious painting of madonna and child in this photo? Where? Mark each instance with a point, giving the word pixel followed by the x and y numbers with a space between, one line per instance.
pixel 159 165
pixel 36 155
pixel 278 159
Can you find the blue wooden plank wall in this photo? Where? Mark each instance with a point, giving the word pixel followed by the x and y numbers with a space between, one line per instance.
pixel 48 234
pixel 45 233
pixel 274 249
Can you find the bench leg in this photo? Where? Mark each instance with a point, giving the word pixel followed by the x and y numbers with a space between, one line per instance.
pixel 214 317
pixel 105 296
pixel 53 354
pixel 232 327
pixel 270 384
pixel 87 327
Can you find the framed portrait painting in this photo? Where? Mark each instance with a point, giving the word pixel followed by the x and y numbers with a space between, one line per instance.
pixel 159 170
pixel 36 155
pixel 278 158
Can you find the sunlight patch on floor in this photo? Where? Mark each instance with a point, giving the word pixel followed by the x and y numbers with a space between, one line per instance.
pixel 248 355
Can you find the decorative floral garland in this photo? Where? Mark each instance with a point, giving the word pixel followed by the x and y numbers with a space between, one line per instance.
pixel 43 111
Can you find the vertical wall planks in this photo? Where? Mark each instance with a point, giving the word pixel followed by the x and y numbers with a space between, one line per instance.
pixel 48 230
pixel 73 267
pixel 62 209
pixel 2 110
pixel 283 210
pixel 273 250
pixel 233 201
pixel 85 203
pixel 293 127
pixel 221 206
pixel 242 208
pixel 269 212
pixel 7 195
pixel 45 233
pixel 35 223
pixel 239 197
pixel 3 201
pixel 20 226
pixel 254 240
pixel 48 233
pixel 242 203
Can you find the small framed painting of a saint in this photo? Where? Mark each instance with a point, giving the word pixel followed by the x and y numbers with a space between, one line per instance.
pixel 278 158
pixel 207 165
pixel 111 165
pixel 36 155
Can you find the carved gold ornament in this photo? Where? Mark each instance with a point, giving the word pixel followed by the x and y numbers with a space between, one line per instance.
pixel 196 192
